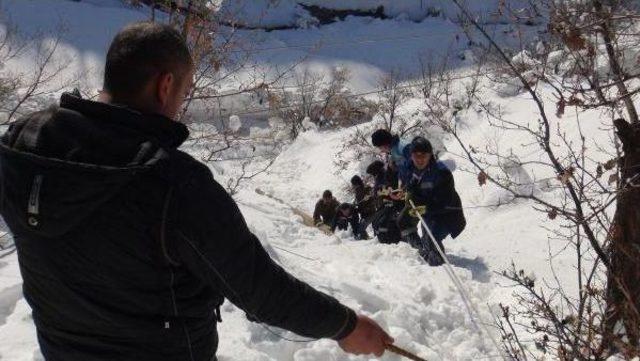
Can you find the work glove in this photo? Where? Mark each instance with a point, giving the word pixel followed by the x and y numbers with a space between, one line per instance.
pixel 418 211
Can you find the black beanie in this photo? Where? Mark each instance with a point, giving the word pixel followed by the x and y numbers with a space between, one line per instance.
pixel 421 144
pixel 375 168
pixel 381 137
pixel 327 194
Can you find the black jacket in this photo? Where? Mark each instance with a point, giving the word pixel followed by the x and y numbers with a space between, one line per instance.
pixel 325 212
pixel 127 246
pixel 365 200
pixel 435 188
pixel 342 221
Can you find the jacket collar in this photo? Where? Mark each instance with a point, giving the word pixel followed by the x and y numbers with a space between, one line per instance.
pixel 167 132
pixel 395 140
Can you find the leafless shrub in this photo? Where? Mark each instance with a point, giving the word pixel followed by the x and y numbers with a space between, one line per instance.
pixel 221 58
pixel 318 101
pixel 24 90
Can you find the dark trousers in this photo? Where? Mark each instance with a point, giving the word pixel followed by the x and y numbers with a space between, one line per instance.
pixel 385 224
pixel 429 251
pixel 424 244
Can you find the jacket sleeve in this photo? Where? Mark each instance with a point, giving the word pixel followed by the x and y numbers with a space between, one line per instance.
pixel 443 191
pixel 334 222
pixel 316 213
pixel 215 244
pixel 359 194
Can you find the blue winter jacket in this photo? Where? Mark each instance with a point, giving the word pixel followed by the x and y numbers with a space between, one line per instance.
pixel 400 154
pixel 434 188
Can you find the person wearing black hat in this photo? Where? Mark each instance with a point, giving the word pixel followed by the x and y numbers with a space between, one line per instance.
pixel 397 148
pixel 430 185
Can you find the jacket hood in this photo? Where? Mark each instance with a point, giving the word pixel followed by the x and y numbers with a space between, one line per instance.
pixel 59 165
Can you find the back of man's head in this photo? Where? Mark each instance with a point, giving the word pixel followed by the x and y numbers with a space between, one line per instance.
pixel 356 181
pixel 381 137
pixel 141 51
pixel 327 195
pixel 376 168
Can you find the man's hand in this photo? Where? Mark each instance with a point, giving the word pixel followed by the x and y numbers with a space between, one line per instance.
pixel 367 338
pixel 397 195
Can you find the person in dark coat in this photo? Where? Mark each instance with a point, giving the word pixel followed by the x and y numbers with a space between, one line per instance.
pixel 363 194
pixel 127 246
pixel 325 209
pixel 347 215
pixel 430 185
pixel 365 203
pixel 384 221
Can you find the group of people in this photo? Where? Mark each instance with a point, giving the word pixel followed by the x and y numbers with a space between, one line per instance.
pixel 329 214
pixel 411 186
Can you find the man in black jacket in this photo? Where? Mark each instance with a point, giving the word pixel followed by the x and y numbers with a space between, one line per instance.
pixel 325 209
pixel 365 203
pixel 430 185
pixel 347 215
pixel 385 220
pixel 128 246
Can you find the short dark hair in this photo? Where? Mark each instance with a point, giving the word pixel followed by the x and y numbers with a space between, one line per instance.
pixel 356 181
pixel 140 51
pixel 381 137
pixel 327 194
pixel 376 168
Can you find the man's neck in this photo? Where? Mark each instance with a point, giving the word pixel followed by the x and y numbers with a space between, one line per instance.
pixel 106 97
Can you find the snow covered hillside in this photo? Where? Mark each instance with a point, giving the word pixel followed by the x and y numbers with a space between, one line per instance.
pixel 418 304
pixel 291 12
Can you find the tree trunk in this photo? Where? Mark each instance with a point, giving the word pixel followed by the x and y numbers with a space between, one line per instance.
pixel 607 34
pixel 623 288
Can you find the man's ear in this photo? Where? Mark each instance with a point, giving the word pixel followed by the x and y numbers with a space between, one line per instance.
pixel 164 87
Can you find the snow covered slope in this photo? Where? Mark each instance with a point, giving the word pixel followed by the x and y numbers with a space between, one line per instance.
pixel 391 283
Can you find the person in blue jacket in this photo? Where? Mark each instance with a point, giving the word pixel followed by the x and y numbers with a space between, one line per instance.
pixel 398 149
pixel 430 185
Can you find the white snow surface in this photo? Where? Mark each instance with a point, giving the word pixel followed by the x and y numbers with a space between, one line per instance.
pixel 418 304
